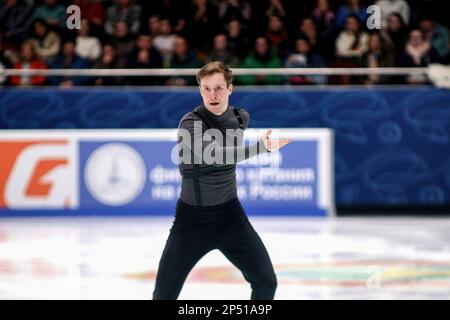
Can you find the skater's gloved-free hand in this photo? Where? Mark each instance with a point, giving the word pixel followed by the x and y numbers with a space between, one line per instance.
pixel 273 144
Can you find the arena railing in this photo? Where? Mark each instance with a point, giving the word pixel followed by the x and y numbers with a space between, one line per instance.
pixel 439 75
pixel 193 72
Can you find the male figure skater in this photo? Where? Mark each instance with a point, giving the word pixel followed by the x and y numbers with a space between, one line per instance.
pixel 208 213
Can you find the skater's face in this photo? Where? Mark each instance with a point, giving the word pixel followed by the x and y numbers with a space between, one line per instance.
pixel 215 93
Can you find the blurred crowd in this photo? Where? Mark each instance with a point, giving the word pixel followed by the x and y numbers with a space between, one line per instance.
pixel 240 33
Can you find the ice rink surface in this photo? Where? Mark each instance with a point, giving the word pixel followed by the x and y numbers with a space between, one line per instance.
pixel 314 258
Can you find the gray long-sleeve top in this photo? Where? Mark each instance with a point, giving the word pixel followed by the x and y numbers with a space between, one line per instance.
pixel 217 180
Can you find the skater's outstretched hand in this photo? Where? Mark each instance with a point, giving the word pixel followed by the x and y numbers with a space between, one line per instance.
pixel 273 144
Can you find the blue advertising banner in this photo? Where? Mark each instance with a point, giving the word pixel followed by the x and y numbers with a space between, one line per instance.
pixel 391 143
pixel 134 172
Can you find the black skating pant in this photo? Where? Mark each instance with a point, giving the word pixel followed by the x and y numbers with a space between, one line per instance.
pixel 198 230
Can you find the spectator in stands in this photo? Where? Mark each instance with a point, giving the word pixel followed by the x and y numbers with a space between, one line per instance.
pixel 416 54
pixel 153 26
pixel 108 60
pixel 5 63
pixel 435 34
pixel 296 10
pixel 240 10
pixel 277 35
pixel 14 21
pixel 276 8
pixel 352 42
pixel 442 60
pixel 123 41
pixel 144 56
pixel 377 56
pixel 237 38
pixel 53 13
pixel 94 12
pixel 262 57
pixel 46 43
pixel 324 20
pixel 68 59
pixel 388 7
pixel 123 10
pixel 308 29
pixel 351 7
pixel 323 17
pixel 183 57
pixel 87 46
pixel 433 8
pixel 202 20
pixel 220 52
pixel 395 35
pixel 174 10
pixel 303 57
pixel 416 49
pixel 28 60
pixel 165 41
pixel 8 55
